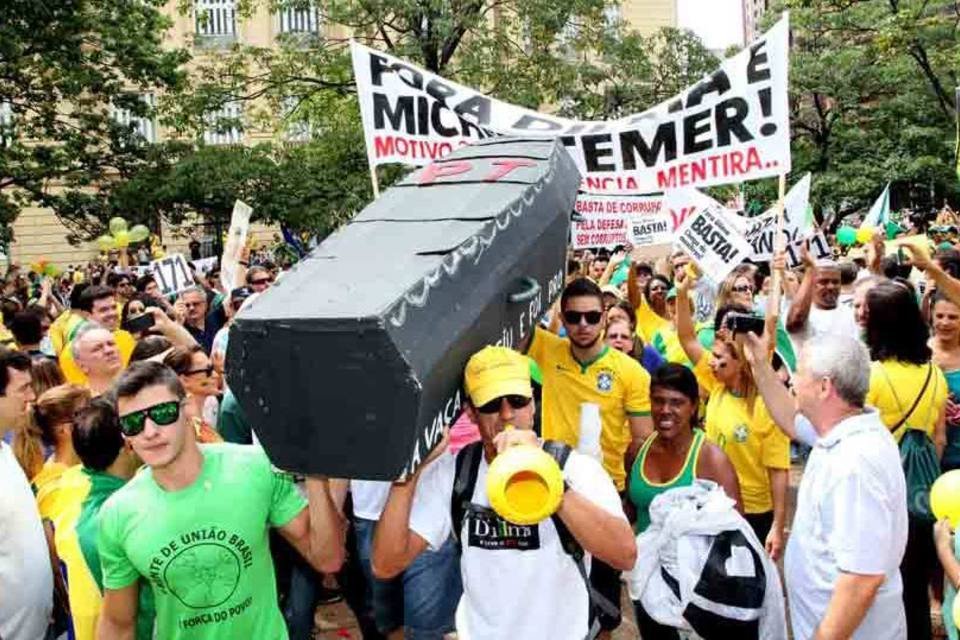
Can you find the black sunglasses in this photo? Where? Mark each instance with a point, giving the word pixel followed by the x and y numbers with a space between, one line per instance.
pixel 261 281
pixel 162 414
pixel 207 370
pixel 515 402
pixel 574 317
pixel 745 288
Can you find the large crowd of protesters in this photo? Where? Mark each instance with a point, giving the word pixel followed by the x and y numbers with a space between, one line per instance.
pixel 137 502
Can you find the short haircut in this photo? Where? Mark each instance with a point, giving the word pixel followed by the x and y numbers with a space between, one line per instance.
pixel 848 273
pixel 114 279
pixel 10 359
pixel 97 438
pixel 142 283
pixel 91 295
pixel 581 288
pixel 141 375
pixel 677 377
pixel 27 327
pixel 949 260
pixel 84 329
pixel 76 293
pixel 150 346
pixel 845 361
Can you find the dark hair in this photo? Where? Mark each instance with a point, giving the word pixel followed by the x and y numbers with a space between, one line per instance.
pixel 114 279
pixel 91 294
pixel 581 288
pixel 848 273
pixel 181 358
pixel 148 347
pixel 10 307
pixel 76 293
pixel 141 283
pixel 656 278
pixel 27 328
pixel 895 326
pixel 10 359
pixel 677 377
pixel 949 260
pixel 722 312
pixel 147 301
pixel 96 434
pixel 141 375
pixel 573 266
pixel 893 269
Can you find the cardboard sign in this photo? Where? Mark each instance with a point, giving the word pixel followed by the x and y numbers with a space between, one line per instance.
pixel 760 231
pixel 712 241
pixel 609 221
pixel 233 248
pixel 731 126
pixel 172 274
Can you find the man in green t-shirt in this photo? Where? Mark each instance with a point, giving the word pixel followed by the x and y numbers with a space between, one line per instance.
pixel 195 524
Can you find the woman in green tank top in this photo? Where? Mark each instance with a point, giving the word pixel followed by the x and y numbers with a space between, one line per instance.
pixel 673 456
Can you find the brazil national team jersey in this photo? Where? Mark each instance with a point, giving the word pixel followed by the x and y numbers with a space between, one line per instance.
pixel 80 494
pixel 205 548
pixel 614 381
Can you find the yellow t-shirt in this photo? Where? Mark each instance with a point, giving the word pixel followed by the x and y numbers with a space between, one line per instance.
pixel 46 484
pixel 62 328
pixel 71 371
pixel 894 387
pixel 614 381
pixel 749 437
pixel 649 322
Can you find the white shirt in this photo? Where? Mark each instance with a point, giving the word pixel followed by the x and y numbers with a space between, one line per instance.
pixel 852 517
pixel 823 322
pixel 532 589
pixel 369 498
pixel 26 579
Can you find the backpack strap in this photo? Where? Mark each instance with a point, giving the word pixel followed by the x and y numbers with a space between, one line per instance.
pixel 464 482
pixel 916 402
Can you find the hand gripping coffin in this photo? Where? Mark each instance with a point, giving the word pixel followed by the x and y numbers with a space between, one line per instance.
pixel 353 363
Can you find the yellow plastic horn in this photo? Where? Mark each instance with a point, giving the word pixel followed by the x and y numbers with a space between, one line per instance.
pixel 524 484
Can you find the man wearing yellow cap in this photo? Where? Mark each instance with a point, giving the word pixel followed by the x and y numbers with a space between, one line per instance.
pixel 519 581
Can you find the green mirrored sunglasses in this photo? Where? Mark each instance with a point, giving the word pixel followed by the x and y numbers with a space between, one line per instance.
pixel 162 414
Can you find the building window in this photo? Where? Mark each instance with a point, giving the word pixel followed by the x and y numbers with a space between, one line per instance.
pixel 225 125
pixel 304 18
pixel 216 18
pixel 611 15
pixel 144 126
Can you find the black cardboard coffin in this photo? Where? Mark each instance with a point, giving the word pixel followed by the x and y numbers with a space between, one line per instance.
pixel 351 365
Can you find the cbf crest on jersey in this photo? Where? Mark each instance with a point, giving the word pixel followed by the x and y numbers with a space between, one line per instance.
pixel 604 381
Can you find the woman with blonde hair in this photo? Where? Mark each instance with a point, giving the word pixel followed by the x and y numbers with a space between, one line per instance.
pixel 54 414
pixel 738 422
pixel 28 447
pixel 202 383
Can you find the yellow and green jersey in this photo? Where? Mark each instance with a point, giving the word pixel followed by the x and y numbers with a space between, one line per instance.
pixel 81 493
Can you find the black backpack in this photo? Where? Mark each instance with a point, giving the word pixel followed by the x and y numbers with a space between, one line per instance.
pixel 465 481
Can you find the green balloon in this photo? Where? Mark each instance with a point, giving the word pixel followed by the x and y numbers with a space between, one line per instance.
pixel 139 233
pixel 846 236
pixel 117 225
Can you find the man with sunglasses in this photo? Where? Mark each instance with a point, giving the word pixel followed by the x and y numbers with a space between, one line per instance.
pixel 582 370
pixel 518 581
pixel 202 322
pixel 195 524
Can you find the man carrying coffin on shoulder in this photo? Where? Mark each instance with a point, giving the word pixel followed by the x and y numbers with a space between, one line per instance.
pixel 519 581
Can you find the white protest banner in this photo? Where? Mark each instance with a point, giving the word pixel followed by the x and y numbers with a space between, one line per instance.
pixel 730 127
pixel 711 240
pixel 760 231
pixel 171 274
pixel 233 248
pixel 205 265
pixel 608 221
pixel 819 249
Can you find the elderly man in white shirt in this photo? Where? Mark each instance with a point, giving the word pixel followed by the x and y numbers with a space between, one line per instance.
pixel 850 528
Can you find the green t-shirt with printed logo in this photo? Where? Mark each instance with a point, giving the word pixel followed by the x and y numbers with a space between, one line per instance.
pixel 205 548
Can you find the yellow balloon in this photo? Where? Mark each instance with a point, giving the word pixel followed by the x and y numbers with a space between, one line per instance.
pixel 865 234
pixel 956 611
pixel 122 238
pixel 106 242
pixel 524 485
pixel 945 497
pixel 117 225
